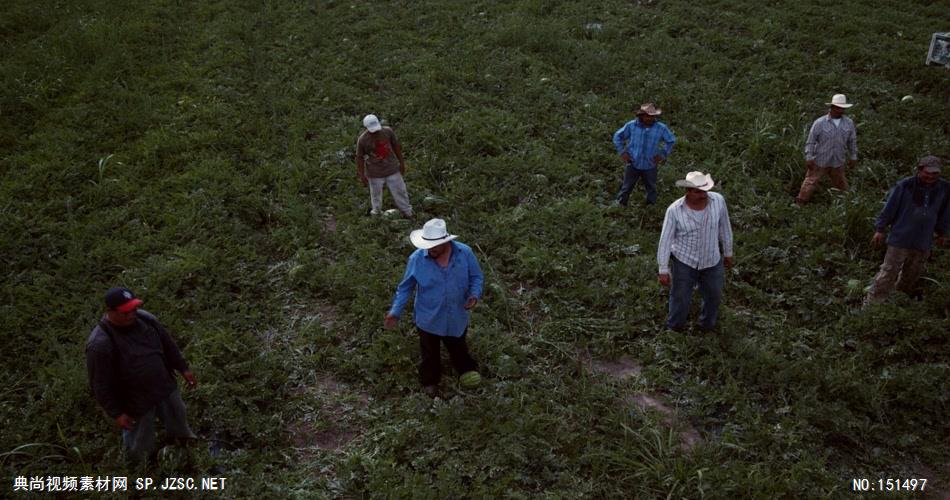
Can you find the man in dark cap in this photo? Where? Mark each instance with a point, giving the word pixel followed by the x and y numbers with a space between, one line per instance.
pixel 917 208
pixel 130 359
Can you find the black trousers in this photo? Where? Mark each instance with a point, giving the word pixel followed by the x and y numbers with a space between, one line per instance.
pixel 430 368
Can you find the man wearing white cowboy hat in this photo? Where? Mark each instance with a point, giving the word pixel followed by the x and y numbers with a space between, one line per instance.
pixel 693 228
pixel 448 283
pixel 638 143
pixel 832 142
pixel 379 162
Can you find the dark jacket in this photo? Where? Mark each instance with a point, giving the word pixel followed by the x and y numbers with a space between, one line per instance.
pixel 915 212
pixel 131 372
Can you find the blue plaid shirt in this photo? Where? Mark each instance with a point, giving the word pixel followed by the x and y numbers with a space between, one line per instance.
pixel 643 143
pixel 440 292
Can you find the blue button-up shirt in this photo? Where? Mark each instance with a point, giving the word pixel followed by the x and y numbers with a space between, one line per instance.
pixel 643 143
pixel 914 222
pixel 441 292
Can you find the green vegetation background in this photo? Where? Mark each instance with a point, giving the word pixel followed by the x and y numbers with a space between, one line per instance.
pixel 201 154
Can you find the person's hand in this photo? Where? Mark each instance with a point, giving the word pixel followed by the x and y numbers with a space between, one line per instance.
pixel 878 239
pixel 402 168
pixel 390 322
pixel 728 261
pixel 811 164
pixel 363 179
pixel 852 163
pixel 124 421
pixel 664 279
pixel 470 303
pixel 626 157
pixel 657 160
pixel 190 378
pixel 940 240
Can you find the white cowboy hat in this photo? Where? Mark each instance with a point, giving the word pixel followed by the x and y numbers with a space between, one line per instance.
pixel 372 123
pixel 697 180
pixel 839 101
pixel 432 234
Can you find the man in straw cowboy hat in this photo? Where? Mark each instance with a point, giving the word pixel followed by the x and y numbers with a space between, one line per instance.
pixel 448 283
pixel 638 143
pixel 917 208
pixel 693 228
pixel 832 143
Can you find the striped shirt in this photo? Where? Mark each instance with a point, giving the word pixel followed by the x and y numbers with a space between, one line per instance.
pixel 693 236
pixel 643 143
pixel 831 145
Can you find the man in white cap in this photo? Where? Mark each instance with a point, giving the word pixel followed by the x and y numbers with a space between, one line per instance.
pixel 379 161
pixel 448 283
pixel 694 227
pixel 638 143
pixel 917 208
pixel 832 143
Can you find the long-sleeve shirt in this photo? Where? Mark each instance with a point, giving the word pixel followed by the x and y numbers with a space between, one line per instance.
pixel 913 221
pixel 830 145
pixel 643 143
pixel 129 373
pixel 693 236
pixel 441 292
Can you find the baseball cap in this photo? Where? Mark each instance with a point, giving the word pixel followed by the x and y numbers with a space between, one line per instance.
pixel 372 123
pixel 122 299
pixel 930 163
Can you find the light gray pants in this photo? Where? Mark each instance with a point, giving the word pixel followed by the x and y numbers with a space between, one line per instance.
pixel 397 188
pixel 902 266
pixel 140 440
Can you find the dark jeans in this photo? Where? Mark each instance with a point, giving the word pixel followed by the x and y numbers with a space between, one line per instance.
pixel 683 280
pixel 630 177
pixel 430 368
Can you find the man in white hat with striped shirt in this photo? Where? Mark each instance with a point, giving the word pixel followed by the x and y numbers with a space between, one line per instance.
pixel 693 228
pixel 832 143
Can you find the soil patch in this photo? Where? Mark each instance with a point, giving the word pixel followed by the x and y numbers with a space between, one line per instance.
pixel 334 419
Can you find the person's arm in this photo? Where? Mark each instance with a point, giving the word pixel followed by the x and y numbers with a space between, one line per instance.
pixel 668 141
pixel 101 374
pixel 404 289
pixel 620 141
pixel 666 242
pixel 811 143
pixel 475 280
pixel 397 150
pixel 360 163
pixel 725 234
pixel 889 213
pixel 943 221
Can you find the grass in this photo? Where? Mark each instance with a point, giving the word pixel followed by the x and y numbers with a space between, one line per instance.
pixel 202 155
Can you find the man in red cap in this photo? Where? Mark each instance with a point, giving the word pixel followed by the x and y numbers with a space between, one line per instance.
pixel 130 359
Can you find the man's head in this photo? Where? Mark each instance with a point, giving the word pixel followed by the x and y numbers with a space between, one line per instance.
pixel 928 169
pixel 839 103
pixel 647 114
pixel 371 122
pixel 694 195
pixel 121 305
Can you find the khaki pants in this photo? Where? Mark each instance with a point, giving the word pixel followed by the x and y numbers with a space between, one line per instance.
pixel 901 265
pixel 814 174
